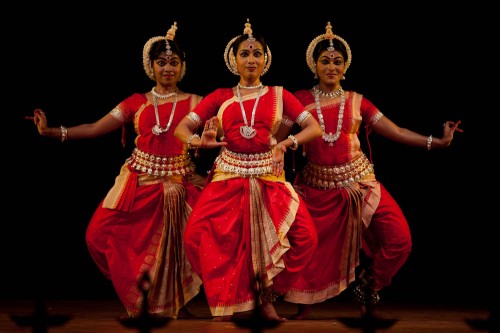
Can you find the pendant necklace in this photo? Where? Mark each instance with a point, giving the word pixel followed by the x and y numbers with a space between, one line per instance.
pixel 246 131
pixel 330 138
pixel 157 130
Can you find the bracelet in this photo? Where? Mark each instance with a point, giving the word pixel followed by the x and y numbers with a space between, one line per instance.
pixel 429 142
pixel 295 142
pixel 191 139
pixel 64 133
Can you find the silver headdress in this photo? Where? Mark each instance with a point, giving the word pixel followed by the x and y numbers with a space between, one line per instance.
pixel 146 61
pixel 331 36
pixel 229 58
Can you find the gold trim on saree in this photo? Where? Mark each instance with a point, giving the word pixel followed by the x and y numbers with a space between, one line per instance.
pixel 328 176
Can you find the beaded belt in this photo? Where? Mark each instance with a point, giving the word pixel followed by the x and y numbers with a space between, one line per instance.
pixel 157 165
pixel 244 165
pixel 328 176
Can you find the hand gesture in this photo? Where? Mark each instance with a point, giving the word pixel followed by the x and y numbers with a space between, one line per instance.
pixel 40 120
pixel 449 129
pixel 209 135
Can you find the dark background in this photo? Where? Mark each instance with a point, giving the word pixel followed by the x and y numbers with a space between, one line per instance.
pixel 76 63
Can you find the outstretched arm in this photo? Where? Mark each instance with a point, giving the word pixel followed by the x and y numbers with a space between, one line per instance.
pixel 385 127
pixel 106 124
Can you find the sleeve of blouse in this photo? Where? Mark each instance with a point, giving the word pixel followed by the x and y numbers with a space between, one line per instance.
pixel 126 109
pixel 286 120
pixel 209 105
pixel 369 112
pixel 292 107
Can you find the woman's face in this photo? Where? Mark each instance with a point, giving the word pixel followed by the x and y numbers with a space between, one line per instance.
pixel 330 67
pixel 250 59
pixel 167 71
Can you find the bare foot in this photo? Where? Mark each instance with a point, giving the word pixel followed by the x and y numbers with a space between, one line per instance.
pixel 221 318
pixel 302 312
pixel 185 314
pixel 269 312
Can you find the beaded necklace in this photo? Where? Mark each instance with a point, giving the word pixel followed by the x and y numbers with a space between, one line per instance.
pixel 250 87
pixel 330 138
pixel 160 96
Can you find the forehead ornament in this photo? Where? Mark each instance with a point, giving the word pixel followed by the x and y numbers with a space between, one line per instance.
pixel 248 31
pixel 329 34
pixel 170 37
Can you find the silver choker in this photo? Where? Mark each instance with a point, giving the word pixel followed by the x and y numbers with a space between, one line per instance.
pixel 250 87
pixel 332 94
pixel 330 138
pixel 155 94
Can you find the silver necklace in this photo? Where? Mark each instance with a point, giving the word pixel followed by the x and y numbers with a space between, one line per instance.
pixel 160 96
pixel 332 94
pixel 157 130
pixel 330 138
pixel 246 131
pixel 250 87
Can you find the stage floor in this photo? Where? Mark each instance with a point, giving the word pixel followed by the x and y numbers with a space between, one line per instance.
pixel 102 316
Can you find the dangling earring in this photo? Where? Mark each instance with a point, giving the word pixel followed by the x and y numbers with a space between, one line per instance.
pixel 232 63
pixel 265 62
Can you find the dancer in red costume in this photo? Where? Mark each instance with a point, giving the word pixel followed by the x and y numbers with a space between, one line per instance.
pixel 137 229
pixel 249 222
pixel 352 210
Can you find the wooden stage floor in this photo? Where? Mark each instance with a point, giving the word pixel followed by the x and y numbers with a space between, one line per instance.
pixel 102 316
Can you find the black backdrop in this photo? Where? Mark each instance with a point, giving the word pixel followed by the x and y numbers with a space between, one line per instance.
pixel 77 63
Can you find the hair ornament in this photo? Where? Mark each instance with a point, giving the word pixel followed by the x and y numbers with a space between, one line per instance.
pixel 170 37
pixel 330 36
pixel 248 31
pixel 230 59
pixel 146 60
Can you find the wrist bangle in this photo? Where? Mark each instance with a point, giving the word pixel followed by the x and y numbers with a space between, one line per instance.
pixel 295 142
pixel 64 133
pixel 429 142
pixel 191 139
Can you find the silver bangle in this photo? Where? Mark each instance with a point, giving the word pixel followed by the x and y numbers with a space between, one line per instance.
pixel 429 142
pixel 302 116
pixel 64 133
pixel 191 139
pixel 295 142
pixel 194 118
